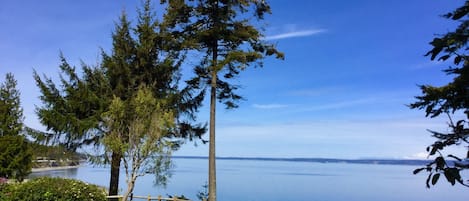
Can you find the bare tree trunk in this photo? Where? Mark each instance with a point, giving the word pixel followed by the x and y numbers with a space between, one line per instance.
pixel 212 181
pixel 211 158
pixel 114 180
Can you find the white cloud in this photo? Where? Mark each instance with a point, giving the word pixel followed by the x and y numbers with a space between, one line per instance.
pixel 295 34
pixel 269 106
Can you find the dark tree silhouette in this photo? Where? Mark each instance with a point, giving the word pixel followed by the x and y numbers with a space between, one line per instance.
pixel 448 100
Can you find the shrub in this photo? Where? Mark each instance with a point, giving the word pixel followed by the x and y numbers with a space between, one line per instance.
pixel 6 190
pixel 55 189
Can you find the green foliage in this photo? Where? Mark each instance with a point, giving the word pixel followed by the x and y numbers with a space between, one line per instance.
pixel 52 189
pixel 15 157
pixel 15 151
pixel 143 143
pixel 141 55
pixel 6 190
pixel 449 99
pixel 73 112
pixel 11 113
pixel 224 31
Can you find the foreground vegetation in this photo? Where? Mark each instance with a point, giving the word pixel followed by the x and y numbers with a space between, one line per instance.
pixel 51 189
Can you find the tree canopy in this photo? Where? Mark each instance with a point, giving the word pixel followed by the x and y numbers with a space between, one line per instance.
pixel 448 100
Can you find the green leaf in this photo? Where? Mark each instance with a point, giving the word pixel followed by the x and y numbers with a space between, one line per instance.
pixel 435 178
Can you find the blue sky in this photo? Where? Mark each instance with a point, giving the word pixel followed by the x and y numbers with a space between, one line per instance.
pixel 350 69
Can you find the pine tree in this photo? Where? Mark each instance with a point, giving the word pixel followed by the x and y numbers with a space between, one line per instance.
pixel 15 150
pixel 11 113
pixel 223 31
pixel 143 55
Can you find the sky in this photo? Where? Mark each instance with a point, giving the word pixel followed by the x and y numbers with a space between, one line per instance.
pixel 350 69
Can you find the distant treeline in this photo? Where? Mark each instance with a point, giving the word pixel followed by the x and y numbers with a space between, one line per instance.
pixel 47 156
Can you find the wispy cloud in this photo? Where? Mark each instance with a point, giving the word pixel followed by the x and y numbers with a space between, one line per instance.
pixel 295 34
pixel 269 106
pixel 339 105
pixel 376 138
pixel 316 91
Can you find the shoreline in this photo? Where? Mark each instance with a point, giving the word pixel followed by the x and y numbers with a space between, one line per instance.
pixel 43 169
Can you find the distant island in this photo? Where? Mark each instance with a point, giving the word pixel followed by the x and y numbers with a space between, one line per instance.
pixel 413 162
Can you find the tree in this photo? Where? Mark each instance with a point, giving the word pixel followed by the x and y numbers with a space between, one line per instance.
pixel 15 157
pixel 450 99
pixel 144 55
pixel 223 31
pixel 144 143
pixel 15 151
pixel 11 113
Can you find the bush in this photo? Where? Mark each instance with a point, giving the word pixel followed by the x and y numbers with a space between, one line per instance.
pixel 53 189
pixel 5 191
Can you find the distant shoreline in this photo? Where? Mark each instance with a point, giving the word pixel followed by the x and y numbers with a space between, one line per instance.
pixel 43 169
pixel 411 162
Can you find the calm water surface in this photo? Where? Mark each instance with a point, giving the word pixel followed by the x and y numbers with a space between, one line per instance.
pixel 282 180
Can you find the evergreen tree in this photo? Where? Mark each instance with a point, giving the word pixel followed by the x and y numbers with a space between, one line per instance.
pixel 223 31
pixel 15 151
pixel 15 157
pixel 449 99
pixel 11 113
pixel 143 55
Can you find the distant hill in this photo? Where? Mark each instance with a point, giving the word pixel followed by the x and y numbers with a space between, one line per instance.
pixel 323 160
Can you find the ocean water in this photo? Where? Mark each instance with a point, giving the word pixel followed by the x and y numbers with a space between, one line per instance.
pixel 251 180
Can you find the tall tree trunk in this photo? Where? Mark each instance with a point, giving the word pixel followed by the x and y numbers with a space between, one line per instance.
pixel 212 181
pixel 115 168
